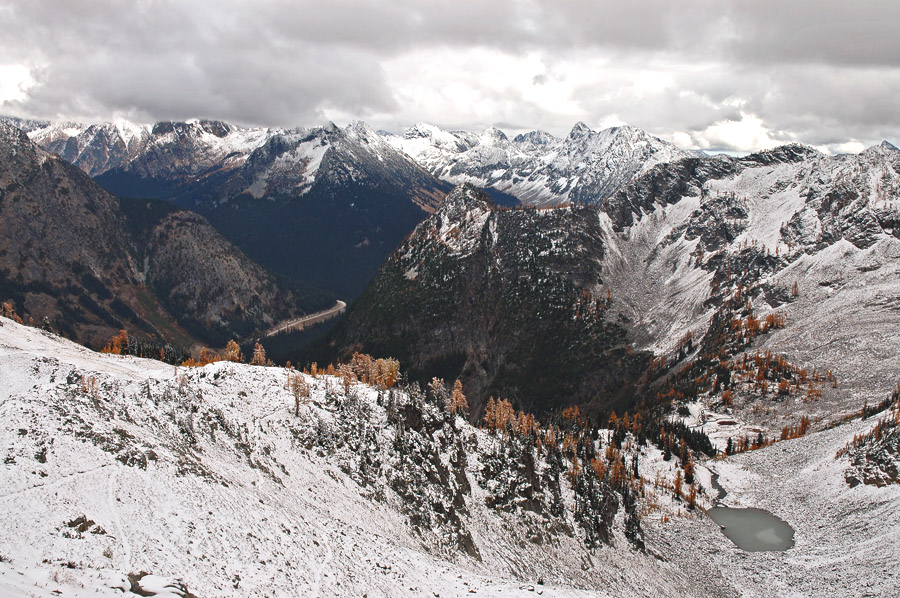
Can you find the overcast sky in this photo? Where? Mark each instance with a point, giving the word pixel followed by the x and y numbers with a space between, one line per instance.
pixel 710 74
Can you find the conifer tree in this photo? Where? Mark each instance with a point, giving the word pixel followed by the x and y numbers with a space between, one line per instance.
pixel 233 352
pixel 259 355
pixel 458 402
pixel 299 388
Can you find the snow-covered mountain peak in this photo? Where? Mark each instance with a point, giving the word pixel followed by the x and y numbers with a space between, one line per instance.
pixel 365 135
pixel 791 152
pixel 12 135
pixel 579 131
pixel 492 136
pixel 466 197
pixel 423 129
pixel 422 136
pixel 26 124
pixel 193 128
pixel 885 149
pixel 129 131
pixel 628 134
pixel 60 131
pixel 534 139
pixel 538 168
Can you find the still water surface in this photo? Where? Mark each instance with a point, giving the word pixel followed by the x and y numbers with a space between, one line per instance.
pixel 753 530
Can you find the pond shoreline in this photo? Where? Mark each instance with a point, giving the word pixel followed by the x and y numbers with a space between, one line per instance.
pixel 750 529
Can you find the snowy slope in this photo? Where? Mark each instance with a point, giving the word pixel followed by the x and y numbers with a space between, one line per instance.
pixel 536 167
pixel 206 475
pixel 768 221
pixel 846 539
pixel 204 479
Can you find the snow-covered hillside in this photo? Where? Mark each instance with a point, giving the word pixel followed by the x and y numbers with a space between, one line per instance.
pixel 813 238
pixel 537 168
pixel 847 540
pixel 115 465
pixel 205 479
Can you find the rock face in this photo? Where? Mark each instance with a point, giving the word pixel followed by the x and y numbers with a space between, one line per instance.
pixel 70 252
pixel 95 148
pixel 508 300
pixel 537 168
pixel 876 461
pixel 219 292
pixel 63 242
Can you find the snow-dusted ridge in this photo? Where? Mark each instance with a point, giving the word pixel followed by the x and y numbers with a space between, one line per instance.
pixel 829 224
pixel 538 168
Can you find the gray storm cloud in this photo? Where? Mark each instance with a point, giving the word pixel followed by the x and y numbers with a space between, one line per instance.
pixel 720 74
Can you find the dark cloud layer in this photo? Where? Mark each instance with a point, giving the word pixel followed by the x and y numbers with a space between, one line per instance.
pixel 710 71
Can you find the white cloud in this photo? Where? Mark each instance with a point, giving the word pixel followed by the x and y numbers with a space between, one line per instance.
pixel 849 147
pixel 15 81
pixel 750 133
pixel 479 87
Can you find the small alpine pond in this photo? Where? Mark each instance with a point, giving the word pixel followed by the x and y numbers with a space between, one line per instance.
pixel 753 530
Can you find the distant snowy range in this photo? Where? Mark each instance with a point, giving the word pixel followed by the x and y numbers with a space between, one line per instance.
pixel 559 354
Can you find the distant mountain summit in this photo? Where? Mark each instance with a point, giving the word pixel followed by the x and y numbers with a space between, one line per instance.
pixel 537 168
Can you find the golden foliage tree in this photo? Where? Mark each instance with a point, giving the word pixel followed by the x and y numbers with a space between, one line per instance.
pixel 347 375
pixel 10 312
pixel 299 388
pixel 233 352
pixel 259 355
pixel 458 402
pixel 118 345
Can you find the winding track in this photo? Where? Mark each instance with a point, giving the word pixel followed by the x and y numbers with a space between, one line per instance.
pixel 319 316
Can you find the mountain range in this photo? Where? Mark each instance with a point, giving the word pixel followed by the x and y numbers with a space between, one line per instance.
pixel 690 331
pixel 536 168
pixel 327 205
pixel 665 234
pixel 533 168
pixel 665 267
